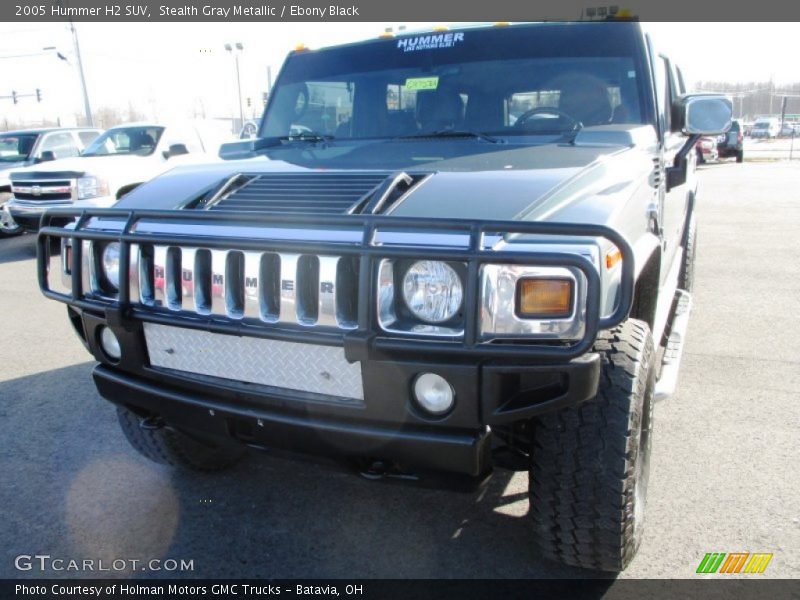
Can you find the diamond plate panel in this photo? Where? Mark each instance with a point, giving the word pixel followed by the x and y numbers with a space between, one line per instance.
pixel 288 365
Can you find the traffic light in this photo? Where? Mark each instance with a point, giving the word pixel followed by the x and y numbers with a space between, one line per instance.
pixel 14 96
pixel 249 102
pixel 38 95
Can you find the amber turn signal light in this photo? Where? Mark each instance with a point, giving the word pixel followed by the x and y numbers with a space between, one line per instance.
pixel 544 298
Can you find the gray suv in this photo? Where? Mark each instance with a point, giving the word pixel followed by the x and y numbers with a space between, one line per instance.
pixel 445 253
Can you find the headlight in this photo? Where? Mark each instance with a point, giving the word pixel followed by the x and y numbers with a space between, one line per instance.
pixel 90 186
pixel 111 263
pixel 432 291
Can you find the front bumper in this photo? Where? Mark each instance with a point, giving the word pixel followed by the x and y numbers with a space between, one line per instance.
pixel 28 213
pixel 385 425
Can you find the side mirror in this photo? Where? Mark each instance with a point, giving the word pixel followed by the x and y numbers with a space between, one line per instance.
pixel 176 150
pixel 696 115
pixel 702 114
pixel 46 156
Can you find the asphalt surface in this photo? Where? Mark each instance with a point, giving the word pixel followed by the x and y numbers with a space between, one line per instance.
pixel 724 466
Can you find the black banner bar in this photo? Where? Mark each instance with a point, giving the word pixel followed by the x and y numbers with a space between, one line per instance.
pixel 392 11
pixel 401 589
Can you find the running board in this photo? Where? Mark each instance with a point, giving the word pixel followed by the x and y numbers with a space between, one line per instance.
pixel 671 363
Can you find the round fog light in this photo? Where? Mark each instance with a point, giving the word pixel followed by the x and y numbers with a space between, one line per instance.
pixel 110 344
pixel 433 393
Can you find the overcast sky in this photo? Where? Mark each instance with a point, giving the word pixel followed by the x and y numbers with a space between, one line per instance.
pixel 169 70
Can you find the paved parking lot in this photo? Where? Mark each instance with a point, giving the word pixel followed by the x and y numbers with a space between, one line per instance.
pixel 724 468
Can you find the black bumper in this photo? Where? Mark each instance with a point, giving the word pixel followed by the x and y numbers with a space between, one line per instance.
pixel 728 151
pixel 386 425
pixel 452 451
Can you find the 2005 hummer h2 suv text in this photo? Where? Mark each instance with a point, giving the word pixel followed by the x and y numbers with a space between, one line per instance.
pixel 440 250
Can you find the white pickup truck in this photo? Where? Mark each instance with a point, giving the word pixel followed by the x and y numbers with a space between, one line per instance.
pixel 23 148
pixel 115 163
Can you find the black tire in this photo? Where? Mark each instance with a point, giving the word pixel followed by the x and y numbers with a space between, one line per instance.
pixel 7 226
pixel 740 156
pixel 590 463
pixel 686 276
pixel 170 447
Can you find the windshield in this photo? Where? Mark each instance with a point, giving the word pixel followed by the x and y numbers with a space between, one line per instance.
pixel 17 148
pixel 513 81
pixel 139 141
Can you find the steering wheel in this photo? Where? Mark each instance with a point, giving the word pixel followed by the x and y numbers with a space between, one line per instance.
pixel 546 110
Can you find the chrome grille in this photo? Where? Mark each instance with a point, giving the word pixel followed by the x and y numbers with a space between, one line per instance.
pixel 272 287
pixel 43 190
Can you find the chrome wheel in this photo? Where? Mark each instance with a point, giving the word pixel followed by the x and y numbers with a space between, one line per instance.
pixel 8 226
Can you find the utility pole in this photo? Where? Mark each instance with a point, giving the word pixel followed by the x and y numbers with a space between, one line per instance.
pixel 783 111
pixel 86 108
pixel 239 47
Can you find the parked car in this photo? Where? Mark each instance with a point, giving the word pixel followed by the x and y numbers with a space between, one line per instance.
pixel 32 146
pixel 115 163
pixel 420 286
pixel 707 150
pixel 732 143
pixel 250 129
pixel 766 128
pixel 788 130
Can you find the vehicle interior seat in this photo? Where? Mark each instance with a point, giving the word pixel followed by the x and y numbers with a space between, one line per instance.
pixel 583 97
pixel 141 140
pixel 25 145
pixel 439 110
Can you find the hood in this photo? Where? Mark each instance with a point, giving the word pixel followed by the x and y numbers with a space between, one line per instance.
pixel 5 171
pixel 4 166
pixel 104 166
pixel 490 182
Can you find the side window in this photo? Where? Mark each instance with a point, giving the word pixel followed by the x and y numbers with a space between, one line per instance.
pixel 87 137
pixel 681 82
pixel 673 88
pixel 62 145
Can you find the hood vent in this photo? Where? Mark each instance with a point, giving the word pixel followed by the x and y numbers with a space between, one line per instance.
pixel 297 193
pixel 331 193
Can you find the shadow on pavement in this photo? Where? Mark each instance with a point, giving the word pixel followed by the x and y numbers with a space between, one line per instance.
pixel 74 489
pixel 21 247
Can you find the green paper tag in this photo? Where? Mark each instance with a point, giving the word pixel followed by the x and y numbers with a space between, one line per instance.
pixel 422 83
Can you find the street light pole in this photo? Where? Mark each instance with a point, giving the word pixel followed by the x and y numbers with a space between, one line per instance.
pixel 239 48
pixel 86 108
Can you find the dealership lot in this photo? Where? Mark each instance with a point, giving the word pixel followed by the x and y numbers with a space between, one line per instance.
pixel 723 468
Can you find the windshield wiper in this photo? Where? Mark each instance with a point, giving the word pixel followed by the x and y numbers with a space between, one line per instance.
pixel 307 136
pixel 452 133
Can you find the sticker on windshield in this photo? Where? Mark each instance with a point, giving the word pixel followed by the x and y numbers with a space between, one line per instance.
pixel 422 83
pixel 433 41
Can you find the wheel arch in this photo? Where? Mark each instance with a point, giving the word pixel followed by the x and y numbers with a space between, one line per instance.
pixel 649 259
